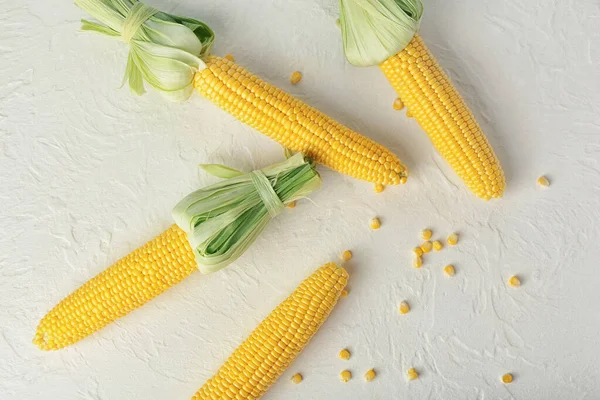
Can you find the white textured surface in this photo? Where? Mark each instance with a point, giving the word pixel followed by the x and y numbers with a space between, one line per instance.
pixel 89 172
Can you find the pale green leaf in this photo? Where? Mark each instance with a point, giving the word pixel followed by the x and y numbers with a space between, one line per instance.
pixel 221 171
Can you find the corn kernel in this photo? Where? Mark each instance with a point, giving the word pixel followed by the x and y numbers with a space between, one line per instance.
pixel 344 293
pixel 412 374
pixel 409 114
pixel 344 354
pixel 379 188
pixel 230 57
pixel 345 376
pixel 370 375
pixel 437 245
pixel 346 255
pixel 398 104
pixel 403 180
pixel 543 181
pixel 426 234
pixel 507 378
pixel 426 246
pixel 375 223
pixel 291 204
pixel 418 252
pixel 452 239
pixel 514 281
pixel 404 307
pixel 449 270
pixel 297 378
pixel 296 77
pixel 418 262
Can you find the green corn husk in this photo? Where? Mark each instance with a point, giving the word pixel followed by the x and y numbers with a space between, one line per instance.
pixel 375 30
pixel 224 219
pixel 165 50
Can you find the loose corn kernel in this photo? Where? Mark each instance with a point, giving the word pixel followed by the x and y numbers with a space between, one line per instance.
pixel 345 376
pixel 297 378
pixel 426 234
pixel 543 181
pixel 346 255
pixel 230 57
pixel 379 188
pixel 370 375
pixel 452 239
pixel 418 252
pixel 442 113
pixel 344 293
pixel 375 223
pixel 507 378
pixel 514 281
pixel 426 246
pixel 296 77
pixel 418 262
pixel 398 104
pixel 291 204
pixel 412 374
pixel 344 354
pixel 437 245
pixel 404 307
pixel 449 270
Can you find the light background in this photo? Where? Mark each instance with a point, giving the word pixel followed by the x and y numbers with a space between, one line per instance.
pixel 89 172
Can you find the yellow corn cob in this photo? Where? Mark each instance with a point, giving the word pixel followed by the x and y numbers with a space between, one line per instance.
pixel 440 110
pixel 294 124
pixel 261 359
pixel 128 284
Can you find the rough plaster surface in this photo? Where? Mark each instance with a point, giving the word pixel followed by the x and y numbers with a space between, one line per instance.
pixel 89 172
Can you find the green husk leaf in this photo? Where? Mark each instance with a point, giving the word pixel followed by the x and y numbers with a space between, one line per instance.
pixel 165 50
pixel 221 171
pixel 375 30
pixel 224 219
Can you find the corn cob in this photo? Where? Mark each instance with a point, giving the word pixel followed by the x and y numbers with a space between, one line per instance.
pixel 440 110
pixel 268 351
pixel 128 284
pixel 294 124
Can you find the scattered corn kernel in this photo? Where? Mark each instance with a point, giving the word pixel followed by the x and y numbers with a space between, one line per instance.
pixel 404 307
pixel 507 378
pixel 379 188
pixel 449 270
pixel 344 293
pixel 344 354
pixel 370 375
pixel 398 104
pixel 426 246
pixel 514 281
pixel 297 378
pixel 437 245
pixel 230 57
pixel 375 223
pixel 345 376
pixel 418 252
pixel 418 262
pixel 296 77
pixel 412 374
pixel 426 234
pixel 543 181
pixel 452 239
pixel 291 204
pixel 346 255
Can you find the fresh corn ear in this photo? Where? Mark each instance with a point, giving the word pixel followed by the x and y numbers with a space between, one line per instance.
pixel 274 344
pixel 296 125
pixel 384 33
pixel 128 284
pixel 177 60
